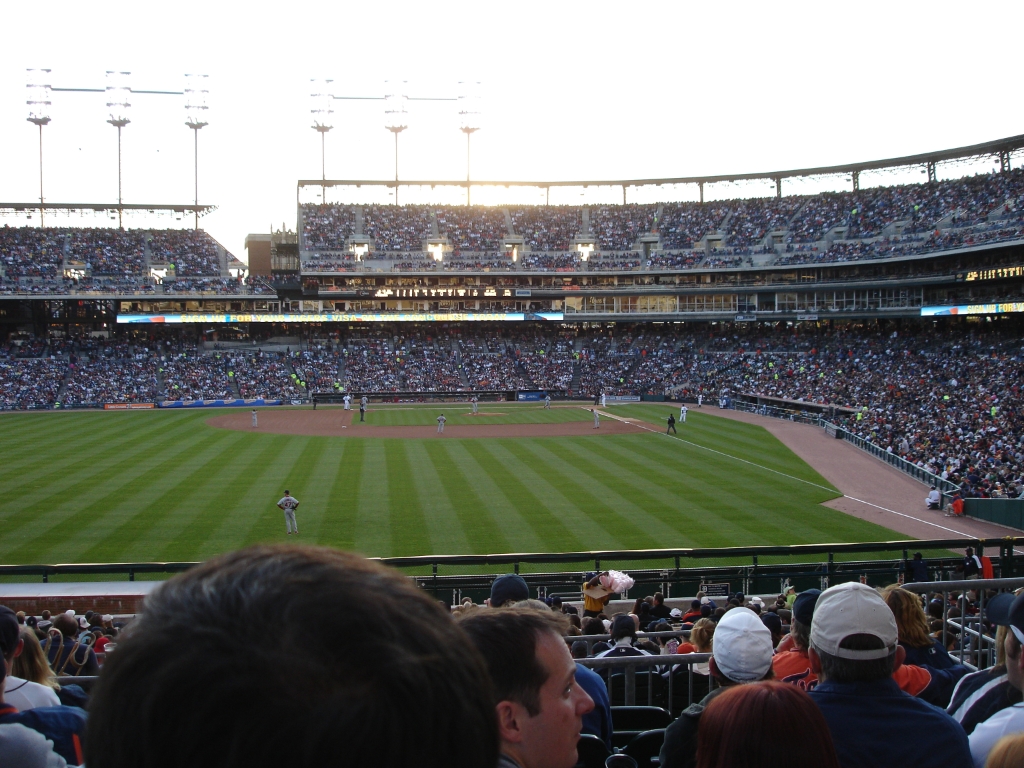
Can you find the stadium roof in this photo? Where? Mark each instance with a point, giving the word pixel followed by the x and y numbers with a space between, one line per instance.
pixel 175 207
pixel 988 148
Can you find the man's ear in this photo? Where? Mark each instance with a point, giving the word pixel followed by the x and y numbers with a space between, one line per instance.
pixel 509 725
pixel 815 661
pixel 901 655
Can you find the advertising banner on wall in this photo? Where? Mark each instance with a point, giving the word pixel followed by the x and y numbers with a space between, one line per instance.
pixel 340 317
pixel 999 308
pixel 236 403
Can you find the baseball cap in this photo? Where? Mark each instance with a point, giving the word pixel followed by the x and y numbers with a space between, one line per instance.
pixel 742 646
pixel 1006 610
pixel 803 606
pixel 773 622
pixel 705 600
pixel 852 609
pixel 623 626
pixel 675 613
pixel 756 601
pixel 8 630
pixel 508 588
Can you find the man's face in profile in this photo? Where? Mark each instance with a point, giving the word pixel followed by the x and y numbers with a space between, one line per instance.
pixel 549 738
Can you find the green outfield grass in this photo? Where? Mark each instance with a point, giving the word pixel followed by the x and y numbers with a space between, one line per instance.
pixel 162 485
pixel 386 415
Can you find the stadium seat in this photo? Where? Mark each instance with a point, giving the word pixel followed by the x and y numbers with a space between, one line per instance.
pixel 591 752
pixel 645 747
pixel 651 689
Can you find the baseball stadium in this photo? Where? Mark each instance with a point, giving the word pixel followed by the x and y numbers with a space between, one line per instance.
pixel 709 396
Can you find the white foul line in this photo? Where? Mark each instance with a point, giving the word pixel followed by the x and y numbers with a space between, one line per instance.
pixel 791 477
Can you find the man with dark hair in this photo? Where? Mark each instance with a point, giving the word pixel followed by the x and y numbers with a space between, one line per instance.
pixel 539 704
pixel 508 589
pixel 279 695
pixel 1008 720
pixel 854 652
pixel 623 636
pixel 70 657
pixel 659 610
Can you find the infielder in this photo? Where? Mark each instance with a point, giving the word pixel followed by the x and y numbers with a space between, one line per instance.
pixel 597 418
pixel 254 417
pixel 682 414
pixel 475 401
pixel 604 400
pixel 547 401
pixel 289 504
pixel 440 423
pixel 347 399
pixel 365 401
pixel 700 400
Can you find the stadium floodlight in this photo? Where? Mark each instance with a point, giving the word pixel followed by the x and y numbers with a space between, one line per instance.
pixel 196 116
pixel 118 93
pixel 321 107
pixel 469 119
pixel 39 114
pixel 396 115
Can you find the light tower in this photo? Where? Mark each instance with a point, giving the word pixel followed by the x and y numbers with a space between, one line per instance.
pixel 39 114
pixel 396 116
pixel 196 117
pixel 321 108
pixel 118 92
pixel 469 120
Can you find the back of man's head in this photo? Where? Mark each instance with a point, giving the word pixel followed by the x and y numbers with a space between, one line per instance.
pixel 9 632
pixel 187 688
pixel 742 647
pixel 854 634
pixel 67 625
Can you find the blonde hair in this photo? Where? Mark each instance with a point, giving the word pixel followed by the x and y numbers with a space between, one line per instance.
pixel 702 634
pixel 911 623
pixel 1007 753
pixel 32 665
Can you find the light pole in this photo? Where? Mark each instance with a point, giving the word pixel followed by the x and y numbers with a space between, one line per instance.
pixel 118 92
pixel 39 114
pixel 196 117
pixel 396 117
pixel 322 111
pixel 469 120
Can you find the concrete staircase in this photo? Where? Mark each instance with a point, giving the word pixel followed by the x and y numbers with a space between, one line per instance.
pixel 509 227
pixel 358 215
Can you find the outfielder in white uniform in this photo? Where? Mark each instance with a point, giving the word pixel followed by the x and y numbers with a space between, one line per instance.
pixel 604 400
pixel 475 401
pixel 289 504
pixel 254 417
pixel 682 414
pixel 440 423
pixel 547 401
pixel 347 399
pixel 597 418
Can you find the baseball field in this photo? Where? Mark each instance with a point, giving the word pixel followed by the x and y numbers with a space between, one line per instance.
pixel 187 484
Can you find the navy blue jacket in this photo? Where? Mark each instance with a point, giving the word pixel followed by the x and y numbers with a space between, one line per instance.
pixel 876 725
pixel 597 721
pixel 63 726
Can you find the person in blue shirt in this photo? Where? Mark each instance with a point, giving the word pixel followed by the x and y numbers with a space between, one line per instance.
pixel 854 651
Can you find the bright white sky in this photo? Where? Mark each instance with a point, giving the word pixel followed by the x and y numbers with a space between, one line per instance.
pixel 573 91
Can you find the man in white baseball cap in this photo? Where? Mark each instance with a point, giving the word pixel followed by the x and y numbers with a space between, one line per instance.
pixel 742 653
pixel 854 652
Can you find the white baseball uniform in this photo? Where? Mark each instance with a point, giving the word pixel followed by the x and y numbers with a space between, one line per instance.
pixel 440 423
pixel 289 503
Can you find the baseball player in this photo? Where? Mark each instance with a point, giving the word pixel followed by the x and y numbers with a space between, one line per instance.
pixel 475 401
pixel 547 401
pixel 682 414
pixel 362 409
pixel 597 418
pixel 254 419
pixel 289 504
pixel 671 425
pixel 347 399
pixel 365 401
pixel 440 423
pixel 604 400
pixel 700 400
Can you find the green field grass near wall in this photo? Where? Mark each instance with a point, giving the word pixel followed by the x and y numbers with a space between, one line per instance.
pixel 385 415
pixel 164 486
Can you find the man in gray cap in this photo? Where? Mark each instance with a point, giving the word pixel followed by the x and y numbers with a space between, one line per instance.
pixel 742 654
pixel 507 589
pixel 854 652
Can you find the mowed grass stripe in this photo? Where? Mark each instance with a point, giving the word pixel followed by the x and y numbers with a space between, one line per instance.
pixel 64 533
pixel 164 504
pixel 631 509
pixel 337 526
pixel 573 505
pixel 462 509
pixel 65 475
pixel 373 523
pixel 517 506
pixel 443 501
pixel 238 519
pixel 412 537
pixel 315 487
